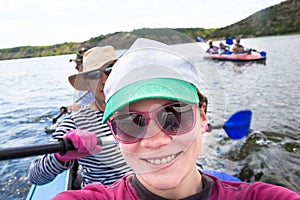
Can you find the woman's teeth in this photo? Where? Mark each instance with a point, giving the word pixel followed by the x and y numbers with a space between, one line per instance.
pixel 162 161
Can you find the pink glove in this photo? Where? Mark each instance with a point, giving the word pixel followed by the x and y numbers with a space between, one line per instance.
pixel 85 143
pixel 206 128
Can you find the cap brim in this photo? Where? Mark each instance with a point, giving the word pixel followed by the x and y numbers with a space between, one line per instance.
pixel 162 88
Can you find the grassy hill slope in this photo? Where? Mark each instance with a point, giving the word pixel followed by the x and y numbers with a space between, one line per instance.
pixel 280 19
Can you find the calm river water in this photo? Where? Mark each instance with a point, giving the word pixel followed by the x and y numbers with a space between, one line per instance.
pixel 33 90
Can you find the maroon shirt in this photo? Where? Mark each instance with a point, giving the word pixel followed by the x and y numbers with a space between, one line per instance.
pixel 129 188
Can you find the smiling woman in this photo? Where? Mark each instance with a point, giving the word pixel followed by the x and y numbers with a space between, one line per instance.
pixel 272 147
pixel 155 113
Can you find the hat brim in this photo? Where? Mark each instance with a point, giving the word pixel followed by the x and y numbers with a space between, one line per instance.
pixel 162 88
pixel 78 80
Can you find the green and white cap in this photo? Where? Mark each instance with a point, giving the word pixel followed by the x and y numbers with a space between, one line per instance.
pixel 150 69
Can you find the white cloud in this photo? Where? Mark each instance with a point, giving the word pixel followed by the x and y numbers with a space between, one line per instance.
pixel 47 22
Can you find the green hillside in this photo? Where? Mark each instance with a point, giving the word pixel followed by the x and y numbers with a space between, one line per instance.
pixel 120 40
pixel 280 19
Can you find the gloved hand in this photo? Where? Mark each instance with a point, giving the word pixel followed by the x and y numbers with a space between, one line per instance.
pixel 85 143
pixel 208 128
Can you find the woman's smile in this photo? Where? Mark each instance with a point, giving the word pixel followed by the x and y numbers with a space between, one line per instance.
pixel 163 160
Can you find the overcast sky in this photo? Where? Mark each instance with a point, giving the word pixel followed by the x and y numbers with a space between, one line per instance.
pixel 49 22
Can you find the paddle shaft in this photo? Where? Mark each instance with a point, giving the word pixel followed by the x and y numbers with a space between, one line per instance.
pixel 211 127
pixel 81 97
pixel 54 120
pixel 61 146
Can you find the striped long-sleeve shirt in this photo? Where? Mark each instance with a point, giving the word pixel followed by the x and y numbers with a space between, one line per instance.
pixel 105 167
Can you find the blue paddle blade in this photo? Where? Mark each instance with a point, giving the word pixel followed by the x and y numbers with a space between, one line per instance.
pixel 200 39
pixel 221 175
pixel 238 124
pixel 229 41
pixel 263 53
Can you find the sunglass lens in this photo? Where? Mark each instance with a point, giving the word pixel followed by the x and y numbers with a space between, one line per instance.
pixel 108 71
pixel 129 128
pixel 97 74
pixel 93 75
pixel 176 118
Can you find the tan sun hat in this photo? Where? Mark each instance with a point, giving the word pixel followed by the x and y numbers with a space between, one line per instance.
pixel 94 59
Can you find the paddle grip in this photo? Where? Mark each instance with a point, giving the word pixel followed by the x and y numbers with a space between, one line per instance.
pixel 54 120
pixel 208 127
pixel 63 110
pixel 68 146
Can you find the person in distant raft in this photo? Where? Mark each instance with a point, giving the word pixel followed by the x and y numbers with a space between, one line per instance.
pixel 99 164
pixel 157 114
pixel 224 49
pixel 237 47
pixel 212 49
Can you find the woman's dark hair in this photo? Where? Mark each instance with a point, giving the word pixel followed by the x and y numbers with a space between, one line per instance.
pixel 202 100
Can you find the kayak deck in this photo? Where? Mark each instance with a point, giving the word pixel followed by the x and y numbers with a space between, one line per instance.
pixel 47 191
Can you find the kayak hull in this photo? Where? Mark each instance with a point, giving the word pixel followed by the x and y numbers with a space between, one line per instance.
pixel 236 57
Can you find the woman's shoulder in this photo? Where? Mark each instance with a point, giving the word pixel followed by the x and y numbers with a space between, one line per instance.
pixel 249 191
pixel 121 189
pixel 260 190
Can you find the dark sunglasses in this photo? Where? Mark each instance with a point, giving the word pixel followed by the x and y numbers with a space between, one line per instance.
pixel 97 74
pixel 173 119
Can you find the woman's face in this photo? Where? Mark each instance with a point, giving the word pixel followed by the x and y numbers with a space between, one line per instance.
pixel 162 161
pixel 96 87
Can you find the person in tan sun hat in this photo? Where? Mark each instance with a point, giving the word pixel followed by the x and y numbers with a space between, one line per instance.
pixel 95 61
pixel 82 97
pixel 83 128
